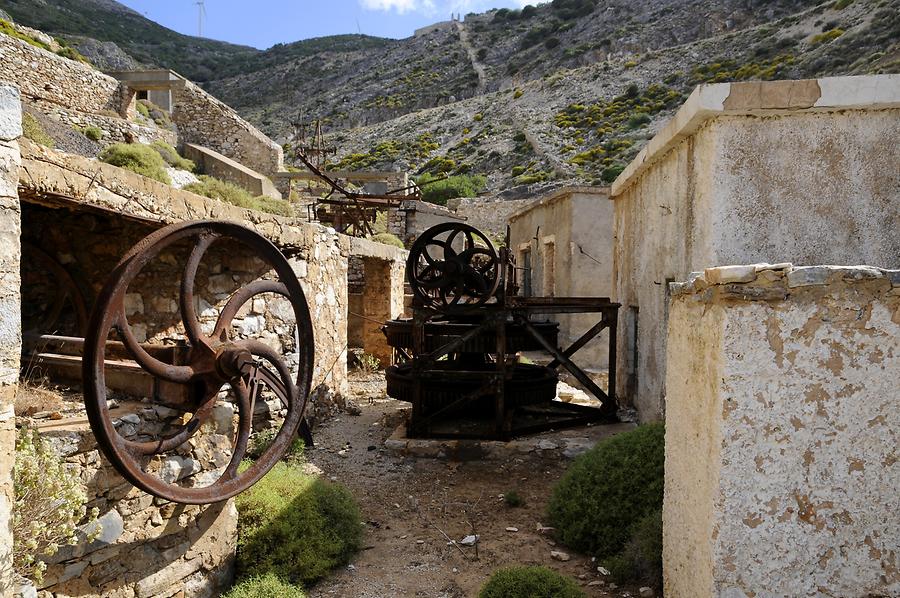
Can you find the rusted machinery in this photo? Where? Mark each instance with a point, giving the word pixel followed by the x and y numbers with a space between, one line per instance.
pixel 457 356
pixel 196 373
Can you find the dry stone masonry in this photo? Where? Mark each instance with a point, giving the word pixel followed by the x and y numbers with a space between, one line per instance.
pixel 10 334
pixel 782 428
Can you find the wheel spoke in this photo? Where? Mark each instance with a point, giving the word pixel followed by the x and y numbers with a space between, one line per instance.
pixel 186 296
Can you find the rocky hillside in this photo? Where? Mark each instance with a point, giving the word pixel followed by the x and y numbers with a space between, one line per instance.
pixel 564 91
pixel 584 124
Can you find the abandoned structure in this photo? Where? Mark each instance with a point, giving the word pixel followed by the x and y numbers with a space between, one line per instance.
pixel 562 247
pixel 458 365
pixel 776 375
pixel 777 171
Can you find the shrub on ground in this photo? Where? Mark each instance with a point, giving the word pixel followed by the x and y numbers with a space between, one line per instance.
pixel 440 191
pixel 388 239
pixel 264 586
pixel 641 558
pixel 607 491
pixel 91 132
pixel 150 110
pixel 530 582
pixel 49 504
pixel 224 191
pixel 171 156
pixel 34 130
pixel 296 526
pixel 513 499
pixel 138 158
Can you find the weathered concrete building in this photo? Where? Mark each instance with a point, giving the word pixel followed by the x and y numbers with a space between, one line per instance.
pixel 782 420
pixel 779 171
pixel 563 248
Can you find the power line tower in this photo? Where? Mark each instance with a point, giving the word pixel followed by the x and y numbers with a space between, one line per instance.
pixel 201 14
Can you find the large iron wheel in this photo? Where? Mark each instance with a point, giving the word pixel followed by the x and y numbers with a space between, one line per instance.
pixel 211 362
pixel 453 264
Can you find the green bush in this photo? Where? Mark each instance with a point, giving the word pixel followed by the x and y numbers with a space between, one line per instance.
pixel 641 558
pixel 91 132
pixel 138 158
pixel 73 54
pixel 638 119
pixel 440 191
pixel 530 582
pixel 171 156
pixel 264 586
pixel 610 174
pixel 7 28
pixel 34 130
pixel 827 36
pixel 230 193
pixel 49 504
pixel 142 109
pixel 296 526
pixel 388 239
pixel 841 4
pixel 513 499
pixel 261 441
pixel 608 490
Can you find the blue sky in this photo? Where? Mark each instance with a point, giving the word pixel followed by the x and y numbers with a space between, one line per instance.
pixel 263 23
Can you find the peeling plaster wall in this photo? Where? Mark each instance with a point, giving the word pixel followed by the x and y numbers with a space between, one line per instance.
pixel 10 332
pixel 802 187
pixel 782 432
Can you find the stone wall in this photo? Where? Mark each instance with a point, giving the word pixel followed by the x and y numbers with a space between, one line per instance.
pixel 47 78
pixel 415 217
pixel 782 428
pixel 799 171
pixel 487 214
pixel 115 130
pixel 10 330
pixel 221 167
pixel 204 120
pixel 147 547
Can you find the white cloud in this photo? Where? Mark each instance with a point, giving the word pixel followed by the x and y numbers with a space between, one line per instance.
pixel 400 6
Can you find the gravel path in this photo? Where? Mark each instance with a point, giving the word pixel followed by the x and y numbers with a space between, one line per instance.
pixel 408 504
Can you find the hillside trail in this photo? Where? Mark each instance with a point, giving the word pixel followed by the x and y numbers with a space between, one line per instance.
pixel 473 58
pixel 409 504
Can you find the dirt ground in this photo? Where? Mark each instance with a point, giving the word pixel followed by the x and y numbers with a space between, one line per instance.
pixel 410 504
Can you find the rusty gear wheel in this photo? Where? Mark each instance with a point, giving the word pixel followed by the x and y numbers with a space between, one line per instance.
pixel 210 363
pixel 453 264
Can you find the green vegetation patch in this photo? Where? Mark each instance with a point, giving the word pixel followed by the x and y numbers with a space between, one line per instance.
pixel 731 70
pixel 264 586
pixel 830 35
pixel 34 130
pixel 641 558
pixel 230 193
pixel 172 157
pixel 65 51
pixel 296 526
pixel 439 191
pixel 388 239
pixel 139 158
pixel 91 132
pixel 602 504
pixel 415 152
pixel 530 582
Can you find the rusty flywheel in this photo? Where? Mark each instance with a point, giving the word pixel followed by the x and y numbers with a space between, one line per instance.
pixel 211 363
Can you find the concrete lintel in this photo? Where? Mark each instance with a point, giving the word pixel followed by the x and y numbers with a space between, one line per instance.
pixel 558 194
pixel 365 248
pixel 151 79
pixel 760 98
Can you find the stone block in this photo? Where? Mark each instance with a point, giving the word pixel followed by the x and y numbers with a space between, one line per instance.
pixel 10 112
pixel 806 276
pixel 730 274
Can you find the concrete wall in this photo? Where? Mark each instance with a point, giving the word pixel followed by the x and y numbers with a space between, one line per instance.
pixel 801 171
pixel 10 330
pixel 578 223
pixel 781 433
pixel 204 120
pixel 221 167
pixel 43 76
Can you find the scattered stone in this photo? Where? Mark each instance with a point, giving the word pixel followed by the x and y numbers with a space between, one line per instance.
pixel 351 568
pixel 352 408
pixel 343 453
pixel 112 404
pixel 403 537
pixel 596 583
pixel 512 529
pixel 545 530
pixel 470 540
pixel 646 592
pixel 455 570
pixel 420 541
pixel 602 570
pixel 371 447
pixel 559 555
pixel 547 445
